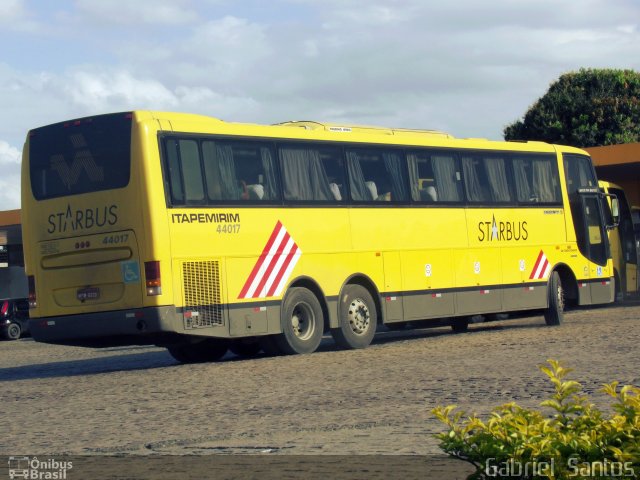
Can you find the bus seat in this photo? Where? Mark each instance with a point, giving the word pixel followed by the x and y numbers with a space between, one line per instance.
pixel 335 190
pixel 256 191
pixel 371 186
pixel 429 194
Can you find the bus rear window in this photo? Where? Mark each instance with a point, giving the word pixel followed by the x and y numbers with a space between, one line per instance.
pixel 80 156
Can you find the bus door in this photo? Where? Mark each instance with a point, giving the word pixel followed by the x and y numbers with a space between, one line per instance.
pixel 587 211
pixel 629 273
pixel 593 243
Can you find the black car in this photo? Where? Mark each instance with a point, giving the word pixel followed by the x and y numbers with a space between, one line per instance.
pixel 14 318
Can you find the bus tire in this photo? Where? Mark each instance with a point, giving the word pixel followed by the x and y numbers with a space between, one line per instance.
pixel 302 322
pixel 209 350
pixel 245 349
pixel 460 324
pixel 358 318
pixel 618 295
pixel 554 313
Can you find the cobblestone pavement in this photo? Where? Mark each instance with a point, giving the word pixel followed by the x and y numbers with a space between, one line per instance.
pixel 138 400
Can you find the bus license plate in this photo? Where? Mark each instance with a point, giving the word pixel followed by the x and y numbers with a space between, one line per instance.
pixel 89 293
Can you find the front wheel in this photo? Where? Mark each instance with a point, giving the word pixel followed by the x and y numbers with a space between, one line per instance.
pixel 554 313
pixel 358 318
pixel 302 322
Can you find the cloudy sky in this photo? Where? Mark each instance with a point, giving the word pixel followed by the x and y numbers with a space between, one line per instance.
pixel 467 67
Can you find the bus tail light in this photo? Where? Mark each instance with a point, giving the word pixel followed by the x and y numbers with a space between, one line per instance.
pixel 152 277
pixel 31 280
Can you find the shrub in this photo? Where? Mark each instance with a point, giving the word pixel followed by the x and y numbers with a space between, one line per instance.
pixel 576 441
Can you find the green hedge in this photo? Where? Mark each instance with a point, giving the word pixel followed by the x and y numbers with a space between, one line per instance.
pixel 576 441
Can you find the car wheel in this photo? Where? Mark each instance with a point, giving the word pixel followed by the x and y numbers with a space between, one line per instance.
pixel 14 331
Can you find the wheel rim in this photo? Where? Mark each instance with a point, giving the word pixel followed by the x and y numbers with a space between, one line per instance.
pixel 303 321
pixel 14 331
pixel 359 316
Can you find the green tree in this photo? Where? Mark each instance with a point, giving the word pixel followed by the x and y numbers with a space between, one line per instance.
pixel 588 108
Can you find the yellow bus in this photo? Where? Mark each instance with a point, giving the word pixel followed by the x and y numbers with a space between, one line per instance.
pixel 205 236
pixel 623 242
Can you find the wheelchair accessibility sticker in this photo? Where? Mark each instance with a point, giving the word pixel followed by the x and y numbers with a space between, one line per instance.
pixel 130 271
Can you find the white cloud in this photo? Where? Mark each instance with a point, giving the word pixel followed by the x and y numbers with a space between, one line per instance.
pixel 11 9
pixel 163 12
pixel 99 92
pixel 9 156
pixel 15 16
pixel 10 178
pixel 466 67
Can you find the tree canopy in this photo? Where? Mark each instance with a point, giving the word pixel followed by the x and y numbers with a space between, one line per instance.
pixel 591 107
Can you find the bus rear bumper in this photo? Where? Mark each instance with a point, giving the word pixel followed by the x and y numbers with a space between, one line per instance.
pixel 144 326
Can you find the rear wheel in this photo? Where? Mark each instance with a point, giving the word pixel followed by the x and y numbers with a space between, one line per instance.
pixel 358 318
pixel 302 322
pixel 209 350
pixel 619 296
pixel 14 331
pixel 554 313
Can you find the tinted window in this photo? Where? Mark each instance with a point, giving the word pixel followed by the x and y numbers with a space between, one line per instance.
pixel 312 173
pixel 536 179
pixel 377 175
pixel 434 177
pixel 579 173
pixel 80 156
pixel 203 171
pixel 486 179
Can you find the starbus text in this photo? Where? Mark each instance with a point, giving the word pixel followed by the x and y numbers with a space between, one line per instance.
pixel 73 220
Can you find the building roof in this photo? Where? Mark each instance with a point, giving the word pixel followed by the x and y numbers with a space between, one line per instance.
pixel 10 217
pixel 608 155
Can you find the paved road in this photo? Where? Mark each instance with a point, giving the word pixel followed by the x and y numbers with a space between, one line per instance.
pixel 138 400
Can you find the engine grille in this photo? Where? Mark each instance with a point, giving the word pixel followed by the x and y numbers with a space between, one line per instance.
pixel 202 298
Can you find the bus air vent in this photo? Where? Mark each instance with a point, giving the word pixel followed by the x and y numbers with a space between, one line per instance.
pixel 202 299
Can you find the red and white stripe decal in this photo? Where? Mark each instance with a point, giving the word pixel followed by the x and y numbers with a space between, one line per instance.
pixel 541 268
pixel 274 266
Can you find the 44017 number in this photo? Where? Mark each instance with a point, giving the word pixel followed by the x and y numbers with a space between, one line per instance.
pixel 111 239
pixel 228 228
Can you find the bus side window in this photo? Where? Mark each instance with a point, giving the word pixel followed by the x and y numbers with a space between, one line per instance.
pixel 239 171
pixel 536 180
pixel 311 174
pixel 191 171
pixel 486 179
pixel 377 175
pixel 475 181
pixel 175 176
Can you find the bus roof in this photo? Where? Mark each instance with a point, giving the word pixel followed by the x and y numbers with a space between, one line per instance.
pixel 309 129
pixel 375 130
